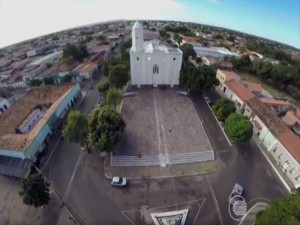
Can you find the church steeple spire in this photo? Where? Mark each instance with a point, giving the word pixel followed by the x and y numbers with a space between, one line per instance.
pixel 137 36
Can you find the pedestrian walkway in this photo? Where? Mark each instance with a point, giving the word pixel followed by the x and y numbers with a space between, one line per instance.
pixel 141 172
pixel 166 159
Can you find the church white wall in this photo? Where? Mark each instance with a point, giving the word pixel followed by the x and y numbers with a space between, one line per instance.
pixel 175 66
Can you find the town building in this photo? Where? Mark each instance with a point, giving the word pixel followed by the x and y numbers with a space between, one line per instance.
pixel 216 52
pixel 50 58
pixel 279 140
pixel 28 125
pixel 4 105
pixel 152 63
pixel 86 70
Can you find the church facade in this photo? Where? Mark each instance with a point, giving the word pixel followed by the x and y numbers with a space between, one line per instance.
pixel 152 63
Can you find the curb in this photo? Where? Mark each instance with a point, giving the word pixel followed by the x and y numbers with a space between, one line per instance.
pixel 274 168
pixel 229 142
pixel 244 217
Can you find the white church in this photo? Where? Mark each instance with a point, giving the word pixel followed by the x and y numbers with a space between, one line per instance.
pixel 152 63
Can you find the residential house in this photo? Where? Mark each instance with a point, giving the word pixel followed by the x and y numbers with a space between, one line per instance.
pixel 27 126
pixel 86 70
pixel 35 72
pixel 209 61
pixel 276 137
pixel 4 105
pixel 292 121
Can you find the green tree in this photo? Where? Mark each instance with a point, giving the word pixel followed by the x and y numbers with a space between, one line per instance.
pixel 200 78
pixel 198 60
pixel 48 80
pixel 238 128
pixel 103 86
pixel 72 52
pixel 113 97
pixel 35 82
pixel 222 108
pixel 187 51
pixel 67 78
pixel 283 211
pixel 106 127
pixel 76 128
pixel 118 75
pixel 35 191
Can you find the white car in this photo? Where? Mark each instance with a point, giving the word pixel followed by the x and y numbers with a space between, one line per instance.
pixel 236 192
pixel 119 181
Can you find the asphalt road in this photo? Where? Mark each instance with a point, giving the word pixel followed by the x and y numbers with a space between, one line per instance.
pixel 205 195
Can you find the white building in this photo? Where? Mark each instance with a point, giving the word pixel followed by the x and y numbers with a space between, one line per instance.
pixel 4 105
pixel 216 52
pixel 152 63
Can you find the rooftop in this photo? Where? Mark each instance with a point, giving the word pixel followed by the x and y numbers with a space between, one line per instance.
pixel 273 101
pixel 28 118
pixel 229 74
pixel 253 87
pixel 85 67
pixel 240 90
pixel 268 116
pixel 291 142
pixel 290 118
pixel 17 113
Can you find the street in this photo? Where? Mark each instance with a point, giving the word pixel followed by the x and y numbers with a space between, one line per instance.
pixel 93 200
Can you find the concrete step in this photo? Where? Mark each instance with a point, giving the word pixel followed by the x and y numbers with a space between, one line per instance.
pixel 180 158
pixel 145 160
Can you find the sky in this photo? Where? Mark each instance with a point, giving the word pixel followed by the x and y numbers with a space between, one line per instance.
pixel 274 19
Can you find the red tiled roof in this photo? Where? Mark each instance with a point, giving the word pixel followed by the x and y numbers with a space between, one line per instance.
pixel 85 67
pixel 290 119
pixel 229 74
pixel 210 59
pixel 291 142
pixel 188 38
pixel 253 87
pixel 240 90
pixel 273 101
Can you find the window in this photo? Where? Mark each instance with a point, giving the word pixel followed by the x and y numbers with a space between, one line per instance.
pixel 293 170
pixel 280 155
pixel 275 149
pixel 174 58
pixel 5 107
pixel 1 110
pixel 137 58
pixel 297 178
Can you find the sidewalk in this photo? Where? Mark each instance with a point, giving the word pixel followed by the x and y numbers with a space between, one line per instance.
pixel 284 179
pixel 148 172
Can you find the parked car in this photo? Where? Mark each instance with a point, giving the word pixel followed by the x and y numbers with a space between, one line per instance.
pixel 119 181
pixel 236 192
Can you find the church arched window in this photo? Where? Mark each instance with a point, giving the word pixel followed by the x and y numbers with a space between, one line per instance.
pixel 174 58
pixel 137 58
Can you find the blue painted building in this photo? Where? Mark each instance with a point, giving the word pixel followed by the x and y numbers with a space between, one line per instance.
pixel 19 149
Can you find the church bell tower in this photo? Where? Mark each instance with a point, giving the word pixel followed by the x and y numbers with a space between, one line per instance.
pixel 137 36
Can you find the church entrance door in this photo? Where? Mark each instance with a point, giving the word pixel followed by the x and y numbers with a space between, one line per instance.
pixel 155 76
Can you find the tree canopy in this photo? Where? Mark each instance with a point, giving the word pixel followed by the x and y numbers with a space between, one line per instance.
pixel 118 75
pixel 106 127
pixel 113 97
pixel 187 51
pixel 197 78
pixel 72 52
pixel 35 82
pixel 222 108
pixel 35 191
pixel 285 210
pixel 103 86
pixel 76 128
pixel 238 128
pixel 48 80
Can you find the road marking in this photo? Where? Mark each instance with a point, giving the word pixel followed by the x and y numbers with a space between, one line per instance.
pixel 259 198
pixel 175 196
pixel 52 153
pixel 215 200
pixel 198 212
pixel 162 160
pixel 123 213
pixel 71 180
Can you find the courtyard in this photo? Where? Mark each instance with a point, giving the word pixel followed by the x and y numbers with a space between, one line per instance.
pixel 161 122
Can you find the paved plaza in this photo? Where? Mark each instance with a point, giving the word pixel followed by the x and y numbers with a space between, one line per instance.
pixel 159 121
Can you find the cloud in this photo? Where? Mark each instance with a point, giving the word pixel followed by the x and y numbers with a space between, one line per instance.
pixel 20 20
